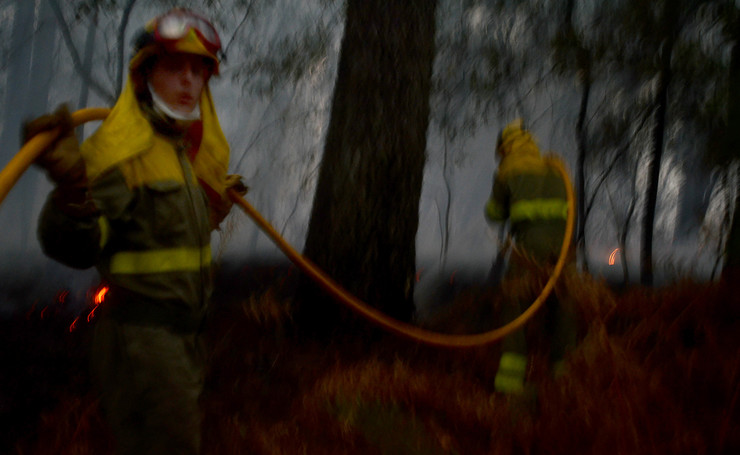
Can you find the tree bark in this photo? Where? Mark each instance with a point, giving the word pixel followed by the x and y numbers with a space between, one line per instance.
pixel 364 219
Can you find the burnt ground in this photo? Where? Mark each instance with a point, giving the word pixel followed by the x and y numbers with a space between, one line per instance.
pixel 656 371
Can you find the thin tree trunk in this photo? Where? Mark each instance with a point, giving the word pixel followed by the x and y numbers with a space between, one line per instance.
pixel 581 135
pixel 87 65
pixel 661 105
pixel 623 242
pixel 37 103
pixel 18 103
pixel 67 37
pixel 122 44
pixel 445 224
pixel 731 266
pixel 17 80
pixel 654 163
pixel 364 219
pixel 583 66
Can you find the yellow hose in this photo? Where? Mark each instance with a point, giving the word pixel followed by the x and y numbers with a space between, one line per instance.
pixel 408 330
pixel 33 148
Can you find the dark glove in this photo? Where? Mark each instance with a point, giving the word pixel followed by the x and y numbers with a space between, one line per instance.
pixel 234 182
pixel 223 207
pixel 61 160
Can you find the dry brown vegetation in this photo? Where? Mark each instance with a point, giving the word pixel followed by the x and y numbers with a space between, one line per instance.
pixel 655 372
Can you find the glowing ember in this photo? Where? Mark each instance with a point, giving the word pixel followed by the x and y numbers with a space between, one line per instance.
pixel 97 300
pixel 62 296
pixel 613 255
pixel 99 297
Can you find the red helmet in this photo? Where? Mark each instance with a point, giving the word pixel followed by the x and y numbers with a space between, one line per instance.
pixel 177 30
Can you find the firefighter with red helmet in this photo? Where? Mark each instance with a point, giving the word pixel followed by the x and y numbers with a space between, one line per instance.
pixel 139 200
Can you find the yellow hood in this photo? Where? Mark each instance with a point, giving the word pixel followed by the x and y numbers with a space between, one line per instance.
pixel 126 133
pixel 519 152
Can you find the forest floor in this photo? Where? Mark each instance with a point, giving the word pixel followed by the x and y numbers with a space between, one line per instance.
pixel 654 372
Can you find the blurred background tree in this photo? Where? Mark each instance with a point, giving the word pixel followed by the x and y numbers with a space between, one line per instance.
pixel 730 152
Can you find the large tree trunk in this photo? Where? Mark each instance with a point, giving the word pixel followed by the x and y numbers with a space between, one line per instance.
pixel 365 213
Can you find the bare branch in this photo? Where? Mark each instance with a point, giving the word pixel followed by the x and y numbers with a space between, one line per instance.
pixel 121 45
pixel 611 165
pixel 236 30
pixel 104 93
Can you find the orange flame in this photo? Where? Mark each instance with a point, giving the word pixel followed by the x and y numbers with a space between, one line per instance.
pixel 99 297
pixel 612 256
pixel 97 300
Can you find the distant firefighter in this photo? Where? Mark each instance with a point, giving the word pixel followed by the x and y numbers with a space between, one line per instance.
pixel 530 194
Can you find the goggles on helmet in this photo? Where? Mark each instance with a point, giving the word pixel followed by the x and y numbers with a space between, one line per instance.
pixel 175 24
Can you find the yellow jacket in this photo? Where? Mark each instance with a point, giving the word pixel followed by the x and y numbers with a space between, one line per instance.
pixel 151 240
pixel 530 194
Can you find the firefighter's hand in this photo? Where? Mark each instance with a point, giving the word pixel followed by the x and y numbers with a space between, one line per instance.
pixel 61 118
pixel 222 208
pixel 234 182
pixel 61 160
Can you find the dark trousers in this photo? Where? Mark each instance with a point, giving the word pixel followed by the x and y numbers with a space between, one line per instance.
pixel 150 379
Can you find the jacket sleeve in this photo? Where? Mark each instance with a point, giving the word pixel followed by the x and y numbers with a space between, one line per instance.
pixel 497 206
pixel 68 237
pixel 75 239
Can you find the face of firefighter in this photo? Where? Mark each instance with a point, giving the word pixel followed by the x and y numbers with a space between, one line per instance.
pixel 179 78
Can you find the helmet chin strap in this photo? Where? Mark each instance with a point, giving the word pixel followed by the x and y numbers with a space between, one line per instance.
pixel 163 108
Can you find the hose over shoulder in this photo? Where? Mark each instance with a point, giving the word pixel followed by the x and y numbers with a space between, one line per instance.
pixel 33 148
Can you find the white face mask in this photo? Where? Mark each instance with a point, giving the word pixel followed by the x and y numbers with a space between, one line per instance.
pixel 163 108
